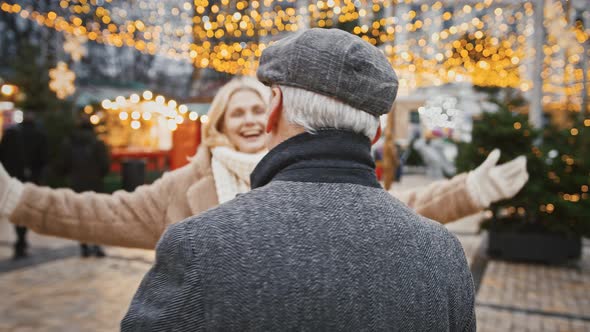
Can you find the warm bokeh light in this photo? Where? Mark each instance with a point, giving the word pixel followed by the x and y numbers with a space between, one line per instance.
pixel 8 89
pixel 487 43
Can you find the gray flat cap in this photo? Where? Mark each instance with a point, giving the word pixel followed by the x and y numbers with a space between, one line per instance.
pixel 334 63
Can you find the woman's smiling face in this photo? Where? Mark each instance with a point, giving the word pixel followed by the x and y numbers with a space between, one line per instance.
pixel 244 121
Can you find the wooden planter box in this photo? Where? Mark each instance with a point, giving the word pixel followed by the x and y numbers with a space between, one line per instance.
pixel 534 247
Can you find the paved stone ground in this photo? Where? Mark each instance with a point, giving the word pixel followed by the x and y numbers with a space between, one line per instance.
pixel 56 290
pixel 520 297
pixel 69 295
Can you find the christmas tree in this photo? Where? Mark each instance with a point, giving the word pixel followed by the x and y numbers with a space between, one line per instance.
pixel 567 208
pixel 32 78
pixel 555 199
pixel 31 75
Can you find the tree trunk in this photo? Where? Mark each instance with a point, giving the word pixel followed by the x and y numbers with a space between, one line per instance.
pixel 584 111
pixel 536 107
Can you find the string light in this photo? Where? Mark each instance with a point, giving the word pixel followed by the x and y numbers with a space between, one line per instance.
pixel 88 109
pixel 138 109
pixel 94 119
pixel 8 89
pixel 172 125
pixel 147 95
pixel 219 56
pixel 203 35
pixel 550 208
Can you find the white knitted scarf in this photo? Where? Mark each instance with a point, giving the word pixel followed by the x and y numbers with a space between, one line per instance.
pixel 231 171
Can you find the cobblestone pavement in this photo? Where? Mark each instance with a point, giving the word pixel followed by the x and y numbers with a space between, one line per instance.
pixel 494 320
pixel 69 295
pixel 56 290
pixel 519 297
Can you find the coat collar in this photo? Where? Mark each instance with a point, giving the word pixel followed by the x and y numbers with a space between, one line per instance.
pixel 202 161
pixel 202 195
pixel 328 156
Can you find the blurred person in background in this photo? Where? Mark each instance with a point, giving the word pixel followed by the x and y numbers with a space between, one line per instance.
pixel 233 142
pixel 85 161
pixel 23 151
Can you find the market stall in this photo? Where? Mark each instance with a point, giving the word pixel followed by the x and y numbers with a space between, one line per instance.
pixel 148 127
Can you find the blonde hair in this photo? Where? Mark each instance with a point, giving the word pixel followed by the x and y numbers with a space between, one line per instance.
pixel 212 135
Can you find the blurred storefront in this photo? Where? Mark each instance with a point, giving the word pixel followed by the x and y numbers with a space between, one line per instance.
pixel 151 127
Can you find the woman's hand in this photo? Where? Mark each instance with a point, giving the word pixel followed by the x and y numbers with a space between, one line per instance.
pixel 10 192
pixel 490 183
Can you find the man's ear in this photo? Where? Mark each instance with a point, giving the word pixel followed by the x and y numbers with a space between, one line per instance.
pixel 276 109
pixel 377 135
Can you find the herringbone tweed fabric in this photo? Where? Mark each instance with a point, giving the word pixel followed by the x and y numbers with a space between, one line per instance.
pixel 306 256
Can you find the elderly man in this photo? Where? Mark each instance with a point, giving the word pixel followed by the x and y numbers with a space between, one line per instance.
pixel 317 244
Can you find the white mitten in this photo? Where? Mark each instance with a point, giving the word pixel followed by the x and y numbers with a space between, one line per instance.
pixel 11 191
pixel 490 183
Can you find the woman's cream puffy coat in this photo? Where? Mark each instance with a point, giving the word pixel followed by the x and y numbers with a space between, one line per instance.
pixel 137 219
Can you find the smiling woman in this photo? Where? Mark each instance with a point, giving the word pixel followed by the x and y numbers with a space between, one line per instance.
pixel 233 143
pixel 244 121
pixel 235 135
pixel 237 116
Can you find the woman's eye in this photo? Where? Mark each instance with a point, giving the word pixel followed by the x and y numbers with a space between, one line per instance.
pixel 259 110
pixel 237 113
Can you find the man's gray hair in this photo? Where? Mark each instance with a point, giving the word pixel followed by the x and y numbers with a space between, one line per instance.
pixel 314 111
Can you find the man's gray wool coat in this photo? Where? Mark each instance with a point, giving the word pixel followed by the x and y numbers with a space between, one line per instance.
pixel 318 245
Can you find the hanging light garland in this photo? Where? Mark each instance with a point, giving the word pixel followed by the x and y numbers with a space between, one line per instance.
pixel 137 110
pixel 441 114
pixel 243 19
pixel 230 36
